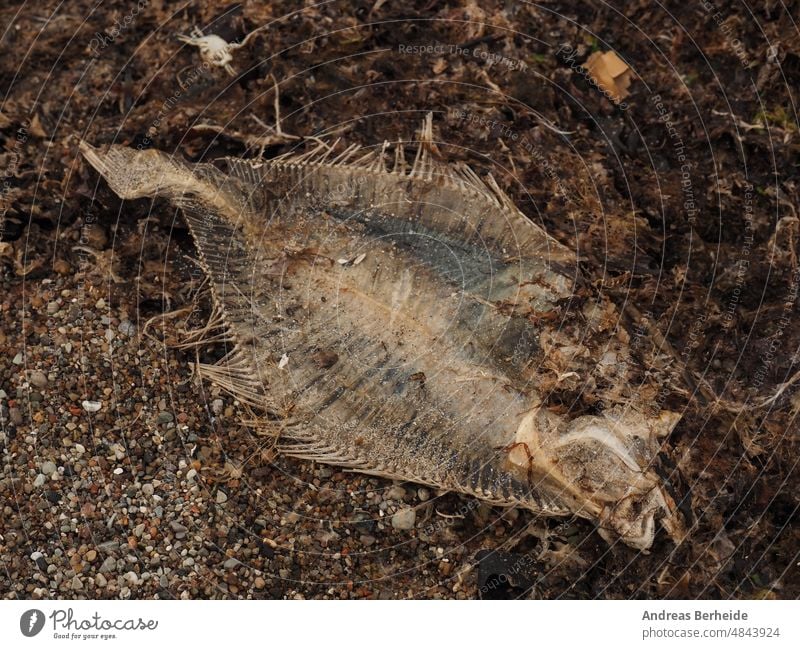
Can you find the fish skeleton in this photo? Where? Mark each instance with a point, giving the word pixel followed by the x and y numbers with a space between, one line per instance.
pixel 387 317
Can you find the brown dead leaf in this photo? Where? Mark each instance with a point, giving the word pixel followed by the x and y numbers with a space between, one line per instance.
pixel 439 66
pixel 611 73
pixel 36 127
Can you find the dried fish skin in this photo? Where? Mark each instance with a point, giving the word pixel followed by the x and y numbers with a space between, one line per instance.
pixel 421 361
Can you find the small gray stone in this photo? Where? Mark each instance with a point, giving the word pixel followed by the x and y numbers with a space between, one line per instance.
pixel 148 489
pixel 396 493
pixel 423 494
pixel 100 580
pixel 404 519
pixel 109 565
pixel 48 467
pixel 132 578
pixel 165 417
pixel 15 415
pixel 180 530
pixel 40 480
pixel 39 379
pixel 17 359
pixel 127 328
pixel 230 563
pixel 222 497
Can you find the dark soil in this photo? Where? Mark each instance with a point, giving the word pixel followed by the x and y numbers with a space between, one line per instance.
pixel 682 204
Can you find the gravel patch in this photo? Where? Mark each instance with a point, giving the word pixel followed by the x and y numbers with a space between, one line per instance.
pixel 117 484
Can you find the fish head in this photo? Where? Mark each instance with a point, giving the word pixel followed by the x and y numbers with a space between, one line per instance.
pixel 601 468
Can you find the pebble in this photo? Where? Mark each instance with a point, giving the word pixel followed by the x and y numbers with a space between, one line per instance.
pixel 37 378
pixel 77 584
pixel 404 519
pixel 132 578
pixel 40 561
pixel 424 494
pixel 148 489
pixel 259 583
pixel 216 406
pixel 109 565
pixel 127 328
pixel 15 415
pixel 222 497
pixel 91 406
pixel 17 359
pixel 100 580
pixel 62 267
pixel 40 480
pixel 180 530
pixel 165 417
pixel 230 563
pixel 396 493
pixel 48 467
pixel 91 555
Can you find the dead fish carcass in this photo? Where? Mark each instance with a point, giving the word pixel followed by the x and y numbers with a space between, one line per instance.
pixel 389 312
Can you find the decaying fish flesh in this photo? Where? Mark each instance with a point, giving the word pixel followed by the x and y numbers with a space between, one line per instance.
pixel 389 317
